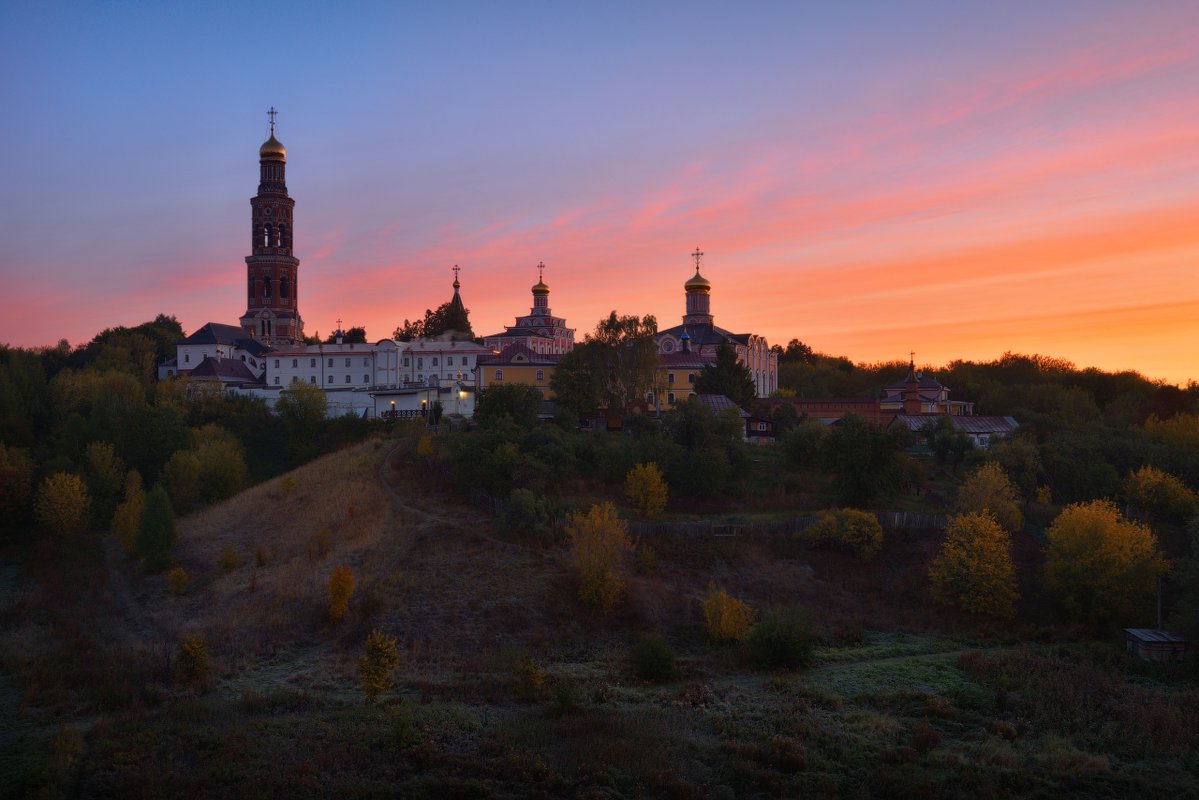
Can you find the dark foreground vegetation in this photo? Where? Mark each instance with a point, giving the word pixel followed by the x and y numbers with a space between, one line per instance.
pixel 336 617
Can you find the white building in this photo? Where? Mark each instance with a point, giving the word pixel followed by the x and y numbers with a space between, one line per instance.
pixel 441 359
pixel 336 366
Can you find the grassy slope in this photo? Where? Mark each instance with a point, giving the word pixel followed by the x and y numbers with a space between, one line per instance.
pixel 285 717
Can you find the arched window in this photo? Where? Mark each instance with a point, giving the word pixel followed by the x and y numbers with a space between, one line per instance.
pixel 284 236
pixel 268 235
pixel 266 288
pixel 284 289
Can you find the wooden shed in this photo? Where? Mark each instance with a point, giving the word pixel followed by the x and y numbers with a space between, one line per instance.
pixel 1153 644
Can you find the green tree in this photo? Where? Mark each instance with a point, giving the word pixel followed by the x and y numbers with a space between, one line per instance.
pixel 158 530
pixel 576 380
pixel 865 460
pixel 783 639
pixel 1101 566
pixel 220 464
pixel 728 377
pixel 61 505
pixel 989 490
pixel 105 475
pixel 625 358
pixel 974 569
pixel 16 487
pixel 518 402
pixel 355 335
pixel 181 477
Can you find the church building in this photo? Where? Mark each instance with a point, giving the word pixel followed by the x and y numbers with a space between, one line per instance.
pixel 273 292
pixel 540 331
pixel 700 336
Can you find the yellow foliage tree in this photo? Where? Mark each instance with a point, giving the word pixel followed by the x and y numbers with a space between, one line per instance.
pixel 377 665
pixel 1181 430
pixel 1159 493
pixel 599 542
pixel 341 588
pixel 989 490
pixel 127 520
pixel 1100 565
pixel 61 504
pixel 727 618
pixel 192 666
pixel 424 448
pixel 974 570
pixel 177 580
pixel 646 489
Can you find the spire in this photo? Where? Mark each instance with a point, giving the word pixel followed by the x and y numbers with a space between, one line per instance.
pixel 456 283
pixel 912 366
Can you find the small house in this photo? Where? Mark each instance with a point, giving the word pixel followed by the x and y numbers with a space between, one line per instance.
pixel 1153 644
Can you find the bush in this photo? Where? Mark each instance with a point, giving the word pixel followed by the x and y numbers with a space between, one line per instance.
pixel 424 447
pixel 783 638
pixel 646 489
pixel 377 665
pixel 341 587
pixel 727 619
pixel 230 559
pixel 527 513
pixel 653 658
pixel 192 667
pixel 858 532
pixel 177 580
pixel 925 738
pixel 974 570
pixel 530 681
pixel 61 505
pixel 599 542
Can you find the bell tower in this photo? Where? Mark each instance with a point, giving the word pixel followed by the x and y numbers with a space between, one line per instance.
pixel 272 305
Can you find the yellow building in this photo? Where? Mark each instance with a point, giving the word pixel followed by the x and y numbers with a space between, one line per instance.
pixel 516 363
pixel 677 374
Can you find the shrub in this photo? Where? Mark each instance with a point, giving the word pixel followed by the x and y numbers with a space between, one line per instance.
pixel 61 505
pixel 653 658
pixel 341 587
pixel 229 559
pixel 1099 565
pixel 646 489
pixel 530 681
pixel 377 665
pixel 727 619
pixel 424 447
pixel 974 570
pixel 158 529
pixel 192 667
pixel 783 638
pixel 989 489
pixel 527 514
pixel 858 532
pixel 925 738
pixel 177 580
pixel 599 541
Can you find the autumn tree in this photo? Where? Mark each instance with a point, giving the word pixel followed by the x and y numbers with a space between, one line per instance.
pixel 646 489
pixel 158 530
pixel 1180 430
pixel 341 588
pixel 1159 493
pixel 974 569
pixel 726 618
pixel 181 479
pixel 1099 565
pixel 989 490
pixel 599 542
pixel 127 520
pixel 377 665
pixel 61 505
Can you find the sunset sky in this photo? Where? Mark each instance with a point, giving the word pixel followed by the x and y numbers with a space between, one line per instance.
pixel 958 179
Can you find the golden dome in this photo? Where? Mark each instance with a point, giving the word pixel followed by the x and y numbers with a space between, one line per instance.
pixel 272 148
pixel 540 288
pixel 698 284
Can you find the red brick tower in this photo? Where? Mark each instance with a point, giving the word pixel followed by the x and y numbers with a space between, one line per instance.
pixel 273 297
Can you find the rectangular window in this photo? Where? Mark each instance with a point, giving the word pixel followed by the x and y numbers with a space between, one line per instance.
pixel 277 363
pixel 328 379
pixel 347 362
pixel 420 362
pixel 449 362
pixel 434 360
pixel 540 374
pixel 312 379
pixel 499 374
pixel 366 362
pixel 405 361
pixel 294 364
pixel 366 378
pixel 187 358
pixel 330 362
pixel 347 379
pixel 276 380
pixel 670 378
pixel 312 362
pixel 690 377
pixel 670 398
